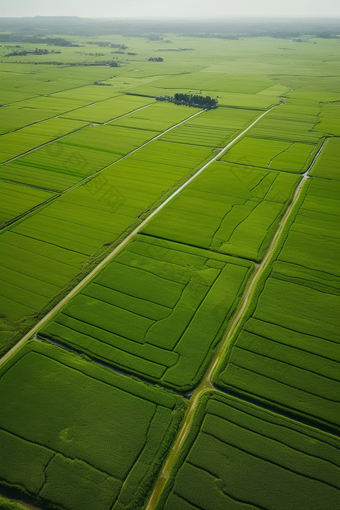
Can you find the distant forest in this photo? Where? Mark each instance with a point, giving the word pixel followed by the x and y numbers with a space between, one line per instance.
pixel 39 27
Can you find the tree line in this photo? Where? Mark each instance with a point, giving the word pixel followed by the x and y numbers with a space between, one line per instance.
pixel 195 100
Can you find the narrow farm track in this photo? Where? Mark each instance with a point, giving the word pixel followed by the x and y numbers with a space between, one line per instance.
pixel 206 384
pixel 118 248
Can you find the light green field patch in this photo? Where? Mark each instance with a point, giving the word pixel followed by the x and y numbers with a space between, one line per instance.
pixel 16 200
pixel 158 117
pixel 104 111
pixel 199 135
pixel 329 119
pixel 327 164
pixel 230 209
pixel 274 154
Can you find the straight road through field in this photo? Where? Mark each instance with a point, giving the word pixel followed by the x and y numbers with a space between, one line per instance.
pixel 118 248
pixel 206 383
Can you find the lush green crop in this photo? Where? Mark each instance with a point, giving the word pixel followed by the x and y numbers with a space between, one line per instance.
pixel 199 135
pixel 240 456
pixel 273 154
pixel 287 350
pixel 327 164
pixel 288 123
pixel 157 310
pixel 158 117
pixel 230 209
pixel 90 438
pixel 329 119
pixel 46 250
pixel 17 200
pixel 109 109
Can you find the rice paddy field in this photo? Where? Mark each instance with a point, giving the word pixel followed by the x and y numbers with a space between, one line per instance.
pixel 170 279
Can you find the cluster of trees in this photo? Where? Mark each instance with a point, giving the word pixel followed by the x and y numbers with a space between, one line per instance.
pixel 52 41
pixel 155 59
pixel 105 44
pixel 37 51
pixel 194 100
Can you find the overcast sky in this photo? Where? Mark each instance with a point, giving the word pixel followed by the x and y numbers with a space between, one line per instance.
pixel 172 8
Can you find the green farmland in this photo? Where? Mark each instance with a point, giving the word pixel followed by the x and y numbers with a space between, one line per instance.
pixel 235 448
pixel 72 453
pixel 157 310
pixel 170 278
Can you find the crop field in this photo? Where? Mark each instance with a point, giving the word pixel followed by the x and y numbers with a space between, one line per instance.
pixel 104 111
pixel 273 154
pixel 62 164
pixel 17 200
pixel 291 127
pixel 26 139
pixel 240 456
pixel 48 249
pixel 70 450
pixel 327 165
pixel 199 135
pixel 329 119
pixel 154 305
pixel 18 83
pixel 229 209
pixel 170 280
pixel 158 117
pixel 287 351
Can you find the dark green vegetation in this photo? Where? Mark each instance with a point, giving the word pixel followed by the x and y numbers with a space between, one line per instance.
pixel 78 435
pixel 287 352
pixel 191 100
pixel 158 310
pixel 239 456
pixel 88 154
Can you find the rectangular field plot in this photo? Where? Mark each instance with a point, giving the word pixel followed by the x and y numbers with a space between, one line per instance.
pixel 65 162
pixel 61 237
pixel 15 117
pixel 229 209
pixel 16 200
pixel 14 144
pixel 175 155
pixel 54 128
pixel 90 438
pixel 286 123
pixel 158 117
pixel 104 111
pixel 287 352
pixel 327 164
pixel 112 139
pixel 225 118
pixel 32 273
pixel 56 166
pixel 273 154
pixel 238 456
pixel 199 135
pixel 158 310
pixel 329 119
pixel 28 138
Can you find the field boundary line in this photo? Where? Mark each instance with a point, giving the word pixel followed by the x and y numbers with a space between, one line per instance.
pixel 60 115
pixel 206 383
pixel 125 241
pixel 94 175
